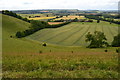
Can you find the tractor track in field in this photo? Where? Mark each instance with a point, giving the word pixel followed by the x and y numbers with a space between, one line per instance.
pixel 81 35
pixel 70 35
pixel 38 35
pixel 60 33
pixel 95 29
pixel 43 34
pixel 102 29
pixel 110 31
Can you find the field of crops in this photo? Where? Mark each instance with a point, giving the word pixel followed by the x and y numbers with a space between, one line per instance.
pixel 32 15
pixel 74 33
pixel 39 18
pixel 70 17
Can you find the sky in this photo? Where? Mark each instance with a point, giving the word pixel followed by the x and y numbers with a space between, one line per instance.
pixel 59 4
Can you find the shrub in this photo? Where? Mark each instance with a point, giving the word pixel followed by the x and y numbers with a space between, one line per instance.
pixel 98 21
pixel 116 41
pixel 106 50
pixel 118 50
pixel 44 44
pixel 19 34
pixel 40 51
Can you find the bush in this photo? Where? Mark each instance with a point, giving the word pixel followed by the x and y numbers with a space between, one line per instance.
pixel 19 34
pixel 40 51
pixel 106 50
pixel 98 21
pixel 44 44
pixel 116 41
pixel 118 50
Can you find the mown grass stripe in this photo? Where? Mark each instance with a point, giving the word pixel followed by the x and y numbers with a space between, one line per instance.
pixel 81 35
pixel 70 35
pixel 60 33
pixel 110 31
pixel 41 33
pixel 51 31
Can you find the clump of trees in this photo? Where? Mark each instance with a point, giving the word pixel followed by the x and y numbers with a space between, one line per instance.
pixel 44 44
pixel 10 13
pixel 58 25
pixel 116 41
pixel 36 26
pixel 104 18
pixel 97 40
pixel 98 21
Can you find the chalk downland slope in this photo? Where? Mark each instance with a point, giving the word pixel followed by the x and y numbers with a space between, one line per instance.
pixel 74 34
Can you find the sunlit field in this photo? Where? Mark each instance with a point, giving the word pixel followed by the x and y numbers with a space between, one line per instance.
pixel 70 17
pixel 65 55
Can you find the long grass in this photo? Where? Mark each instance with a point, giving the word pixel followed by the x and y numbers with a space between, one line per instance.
pixel 60 65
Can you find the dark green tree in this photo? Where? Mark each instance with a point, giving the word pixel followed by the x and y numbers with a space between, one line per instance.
pixel 98 21
pixel 116 41
pixel 97 40
pixel 19 34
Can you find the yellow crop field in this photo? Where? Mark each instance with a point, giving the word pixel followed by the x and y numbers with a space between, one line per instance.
pixel 39 18
pixel 71 17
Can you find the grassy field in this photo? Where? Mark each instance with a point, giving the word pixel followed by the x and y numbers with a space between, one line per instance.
pixel 74 33
pixel 60 65
pixel 42 16
pixel 39 18
pixel 54 23
pixel 27 58
pixel 32 15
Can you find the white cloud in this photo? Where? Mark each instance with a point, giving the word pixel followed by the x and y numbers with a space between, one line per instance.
pixel 58 4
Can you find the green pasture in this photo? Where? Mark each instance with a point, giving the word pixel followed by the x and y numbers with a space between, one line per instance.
pixel 33 15
pixel 74 33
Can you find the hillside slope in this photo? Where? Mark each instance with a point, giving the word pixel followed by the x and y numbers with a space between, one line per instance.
pixel 74 34
pixel 10 26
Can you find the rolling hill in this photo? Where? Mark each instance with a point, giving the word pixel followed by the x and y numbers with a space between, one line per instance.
pixel 57 39
pixel 10 26
pixel 74 34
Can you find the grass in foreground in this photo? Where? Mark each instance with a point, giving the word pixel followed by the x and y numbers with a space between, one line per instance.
pixel 60 65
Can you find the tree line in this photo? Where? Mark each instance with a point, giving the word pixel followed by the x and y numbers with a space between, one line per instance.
pixel 10 13
pixel 97 17
pixel 36 26
pixel 99 40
